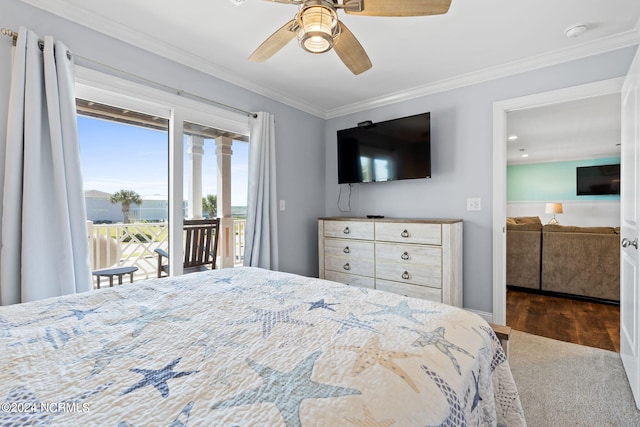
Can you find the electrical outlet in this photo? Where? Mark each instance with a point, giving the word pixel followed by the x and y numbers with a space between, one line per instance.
pixel 473 204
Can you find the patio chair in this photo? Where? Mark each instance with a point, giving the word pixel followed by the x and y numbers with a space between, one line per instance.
pixel 200 246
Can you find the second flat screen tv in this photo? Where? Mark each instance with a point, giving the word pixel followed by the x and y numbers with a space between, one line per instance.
pixel 385 151
pixel 598 180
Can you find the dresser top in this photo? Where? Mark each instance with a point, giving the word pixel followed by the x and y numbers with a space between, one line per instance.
pixel 391 219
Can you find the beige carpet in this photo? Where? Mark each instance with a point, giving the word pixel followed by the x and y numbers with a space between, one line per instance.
pixel 563 384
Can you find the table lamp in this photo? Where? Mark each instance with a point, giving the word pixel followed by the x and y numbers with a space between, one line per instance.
pixel 553 208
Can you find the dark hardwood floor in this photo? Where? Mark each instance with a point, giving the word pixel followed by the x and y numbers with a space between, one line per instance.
pixel 581 322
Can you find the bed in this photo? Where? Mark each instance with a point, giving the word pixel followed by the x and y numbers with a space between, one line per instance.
pixel 245 347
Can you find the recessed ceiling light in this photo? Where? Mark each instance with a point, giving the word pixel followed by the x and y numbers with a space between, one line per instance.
pixel 524 155
pixel 513 137
pixel 576 30
pixel 237 2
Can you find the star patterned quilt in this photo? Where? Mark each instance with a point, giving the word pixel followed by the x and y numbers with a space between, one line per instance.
pixel 250 347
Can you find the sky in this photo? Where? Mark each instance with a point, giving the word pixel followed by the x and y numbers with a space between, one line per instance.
pixel 117 156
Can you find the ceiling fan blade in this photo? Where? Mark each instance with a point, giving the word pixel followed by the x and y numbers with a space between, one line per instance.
pixel 397 7
pixel 351 51
pixel 275 42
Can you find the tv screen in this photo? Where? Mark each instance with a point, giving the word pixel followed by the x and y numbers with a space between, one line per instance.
pixel 385 151
pixel 598 180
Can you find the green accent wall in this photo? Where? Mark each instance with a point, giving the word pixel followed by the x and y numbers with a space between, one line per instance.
pixel 550 181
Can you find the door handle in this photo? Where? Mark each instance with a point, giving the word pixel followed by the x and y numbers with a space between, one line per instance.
pixel 626 243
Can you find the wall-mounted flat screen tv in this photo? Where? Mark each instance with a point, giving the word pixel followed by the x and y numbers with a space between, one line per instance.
pixel 385 151
pixel 598 180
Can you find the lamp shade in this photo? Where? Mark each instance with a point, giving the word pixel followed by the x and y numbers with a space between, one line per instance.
pixel 317 28
pixel 553 208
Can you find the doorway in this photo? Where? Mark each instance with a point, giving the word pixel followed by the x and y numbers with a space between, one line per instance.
pixel 500 114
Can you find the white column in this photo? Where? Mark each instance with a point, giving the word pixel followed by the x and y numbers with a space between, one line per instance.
pixel 195 152
pixel 227 235
pixel 176 211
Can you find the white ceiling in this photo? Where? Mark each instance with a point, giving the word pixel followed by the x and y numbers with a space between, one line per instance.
pixel 576 130
pixel 475 41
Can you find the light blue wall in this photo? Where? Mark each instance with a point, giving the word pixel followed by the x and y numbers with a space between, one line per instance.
pixel 550 181
pixel 300 136
pixel 462 158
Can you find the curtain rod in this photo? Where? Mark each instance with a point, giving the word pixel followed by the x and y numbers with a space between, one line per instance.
pixel 180 92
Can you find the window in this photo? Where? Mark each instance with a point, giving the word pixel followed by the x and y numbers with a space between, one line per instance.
pixel 151 113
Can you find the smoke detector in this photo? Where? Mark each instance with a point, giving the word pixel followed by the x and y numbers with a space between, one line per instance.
pixel 576 30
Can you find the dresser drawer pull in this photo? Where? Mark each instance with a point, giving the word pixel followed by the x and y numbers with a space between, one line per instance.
pixel 347 267
pixel 346 230
pixel 405 275
pixel 405 256
pixel 346 250
pixel 405 234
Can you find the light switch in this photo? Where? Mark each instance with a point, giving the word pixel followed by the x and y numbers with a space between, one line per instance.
pixel 281 205
pixel 473 204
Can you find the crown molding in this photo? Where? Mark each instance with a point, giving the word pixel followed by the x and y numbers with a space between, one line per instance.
pixel 118 31
pixel 584 50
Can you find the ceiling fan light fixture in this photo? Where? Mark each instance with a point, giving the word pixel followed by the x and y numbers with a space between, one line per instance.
pixel 318 27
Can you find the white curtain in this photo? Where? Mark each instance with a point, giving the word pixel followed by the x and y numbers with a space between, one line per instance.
pixel 45 248
pixel 261 234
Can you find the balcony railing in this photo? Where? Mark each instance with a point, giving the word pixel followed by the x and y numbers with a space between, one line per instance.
pixel 120 245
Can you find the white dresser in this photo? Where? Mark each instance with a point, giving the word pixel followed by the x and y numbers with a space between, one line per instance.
pixel 420 258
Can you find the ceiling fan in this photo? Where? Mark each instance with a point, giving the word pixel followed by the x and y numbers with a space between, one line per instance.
pixel 319 30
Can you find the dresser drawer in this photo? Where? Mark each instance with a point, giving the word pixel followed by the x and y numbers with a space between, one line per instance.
pixel 350 279
pixel 417 274
pixel 349 229
pixel 358 266
pixel 354 249
pixel 409 254
pixel 409 232
pixel 409 290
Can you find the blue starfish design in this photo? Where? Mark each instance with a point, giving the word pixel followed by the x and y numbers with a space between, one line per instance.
pixel 158 378
pixel 148 316
pixel 57 340
pixel 181 420
pixel 39 417
pixel 80 314
pixel 322 304
pixel 476 396
pixel 437 339
pixel 226 280
pixel 55 337
pixel 270 318
pixel 456 415
pixel 401 309
pixel 353 322
pixel 286 390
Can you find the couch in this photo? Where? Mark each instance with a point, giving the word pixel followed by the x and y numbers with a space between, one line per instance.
pixel 579 261
pixel 524 250
pixel 582 261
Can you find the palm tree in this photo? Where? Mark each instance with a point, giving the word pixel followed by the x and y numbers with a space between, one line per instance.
pixel 210 205
pixel 126 198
